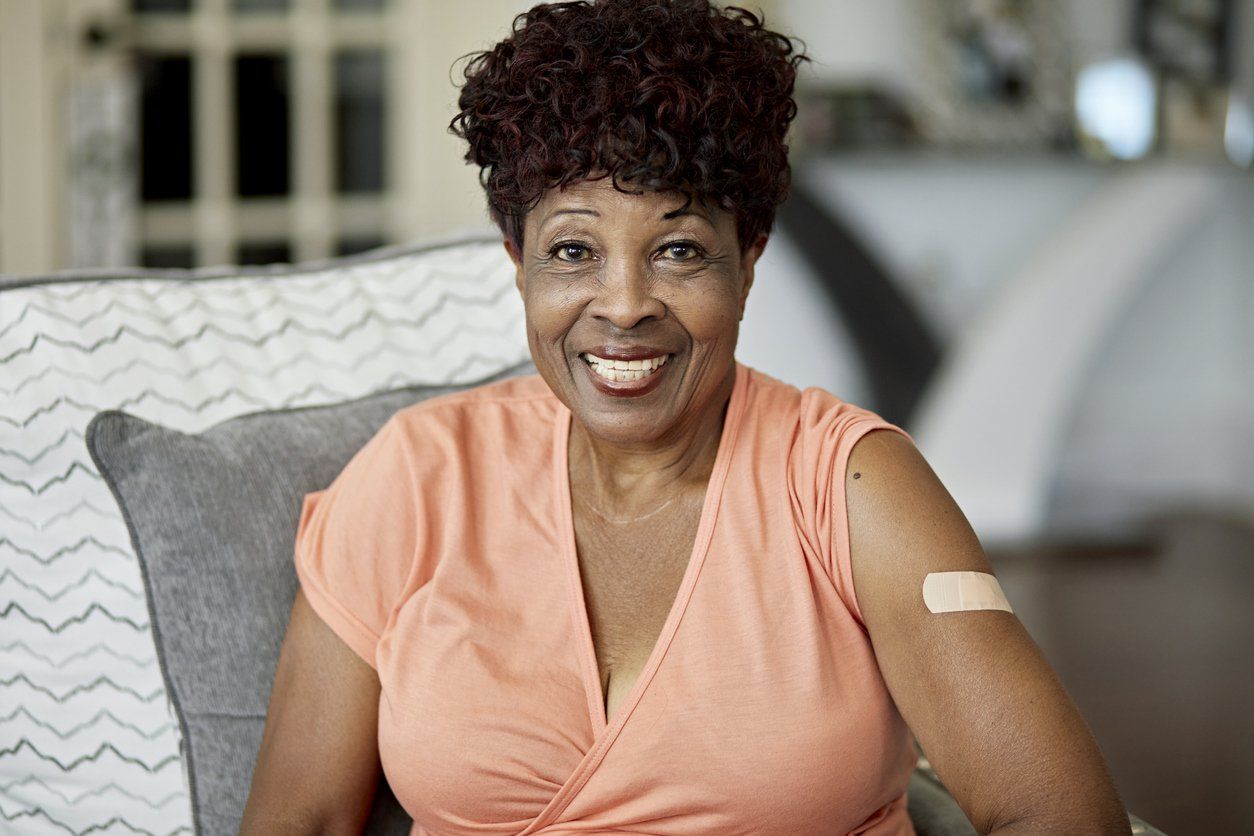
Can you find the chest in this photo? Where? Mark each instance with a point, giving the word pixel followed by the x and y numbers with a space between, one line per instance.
pixel 631 572
pixel 765 689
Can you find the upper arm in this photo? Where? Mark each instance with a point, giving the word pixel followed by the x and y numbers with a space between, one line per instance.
pixel 977 693
pixel 318 765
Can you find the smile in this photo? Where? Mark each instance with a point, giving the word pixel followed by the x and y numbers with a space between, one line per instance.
pixel 624 371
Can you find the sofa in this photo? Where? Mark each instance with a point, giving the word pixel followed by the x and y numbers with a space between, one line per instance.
pixel 157 431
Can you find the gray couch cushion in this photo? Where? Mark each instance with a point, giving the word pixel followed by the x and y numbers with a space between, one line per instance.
pixel 213 519
pixel 932 809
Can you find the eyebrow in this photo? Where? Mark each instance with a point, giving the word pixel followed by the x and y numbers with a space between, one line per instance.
pixel 675 213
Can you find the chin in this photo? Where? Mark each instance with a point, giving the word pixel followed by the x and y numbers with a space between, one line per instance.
pixel 625 424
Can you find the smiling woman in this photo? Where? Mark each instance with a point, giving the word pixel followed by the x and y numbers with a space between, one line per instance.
pixel 610 278
pixel 650 589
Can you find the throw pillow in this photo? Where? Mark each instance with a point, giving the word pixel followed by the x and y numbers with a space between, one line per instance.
pixel 212 517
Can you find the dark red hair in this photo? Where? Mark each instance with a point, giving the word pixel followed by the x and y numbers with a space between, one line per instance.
pixel 660 94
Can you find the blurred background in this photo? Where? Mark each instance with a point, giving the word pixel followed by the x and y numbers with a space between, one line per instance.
pixel 1021 229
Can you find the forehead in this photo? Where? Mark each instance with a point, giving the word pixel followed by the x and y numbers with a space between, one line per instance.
pixel 593 192
pixel 598 203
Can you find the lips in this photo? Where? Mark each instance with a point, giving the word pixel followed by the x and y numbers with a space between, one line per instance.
pixel 625 372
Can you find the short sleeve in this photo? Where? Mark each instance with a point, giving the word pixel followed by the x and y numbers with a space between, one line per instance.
pixel 829 430
pixel 357 539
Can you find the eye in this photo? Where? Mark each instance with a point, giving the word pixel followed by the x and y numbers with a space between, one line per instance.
pixel 570 251
pixel 681 250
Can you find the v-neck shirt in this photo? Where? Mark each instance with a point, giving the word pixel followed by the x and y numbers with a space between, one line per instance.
pixel 444 555
pixel 570 558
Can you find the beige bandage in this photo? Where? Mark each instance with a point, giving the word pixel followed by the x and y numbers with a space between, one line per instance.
pixel 958 591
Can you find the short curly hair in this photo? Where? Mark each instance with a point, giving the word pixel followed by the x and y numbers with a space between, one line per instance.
pixel 667 95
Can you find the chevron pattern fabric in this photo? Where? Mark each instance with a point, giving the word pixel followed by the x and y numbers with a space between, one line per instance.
pixel 88 740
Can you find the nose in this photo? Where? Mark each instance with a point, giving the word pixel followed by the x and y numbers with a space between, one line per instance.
pixel 625 295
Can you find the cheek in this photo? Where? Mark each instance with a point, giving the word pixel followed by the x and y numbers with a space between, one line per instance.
pixel 551 311
pixel 707 314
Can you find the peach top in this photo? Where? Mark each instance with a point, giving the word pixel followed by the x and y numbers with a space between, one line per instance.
pixel 444 555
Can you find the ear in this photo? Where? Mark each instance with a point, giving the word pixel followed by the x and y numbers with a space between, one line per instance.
pixel 515 257
pixel 747 263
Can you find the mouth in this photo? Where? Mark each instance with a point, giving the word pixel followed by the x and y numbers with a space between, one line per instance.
pixel 629 375
pixel 624 371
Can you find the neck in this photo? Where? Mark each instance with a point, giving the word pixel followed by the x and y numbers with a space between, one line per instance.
pixel 637 477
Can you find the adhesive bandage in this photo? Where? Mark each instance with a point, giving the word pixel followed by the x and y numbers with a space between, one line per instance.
pixel 958 591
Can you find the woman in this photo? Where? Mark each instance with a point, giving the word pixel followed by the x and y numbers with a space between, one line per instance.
pixel 649 590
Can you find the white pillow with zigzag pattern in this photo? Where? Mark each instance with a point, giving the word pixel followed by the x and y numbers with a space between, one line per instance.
pixel 88 739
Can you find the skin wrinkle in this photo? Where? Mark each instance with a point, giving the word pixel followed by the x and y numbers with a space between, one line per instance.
pixel 628 286
pixel 625 520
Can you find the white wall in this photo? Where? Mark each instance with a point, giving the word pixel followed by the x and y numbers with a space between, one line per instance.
pixel 440 191
pixel 853 40
pixel 792 330
pixel 1166 416
pixel 32 137
pixel 952 228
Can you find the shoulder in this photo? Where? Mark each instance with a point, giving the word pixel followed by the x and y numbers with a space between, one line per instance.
pixel 481 424
pixel 888 482
pixel 884 475
pixel 525 396
pixel 823 440
pixel 816 426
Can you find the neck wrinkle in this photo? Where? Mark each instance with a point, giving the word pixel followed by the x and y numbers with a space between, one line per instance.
pixel 621 477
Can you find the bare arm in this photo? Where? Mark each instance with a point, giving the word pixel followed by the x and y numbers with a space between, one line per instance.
pixel 318 766
pixel 989 712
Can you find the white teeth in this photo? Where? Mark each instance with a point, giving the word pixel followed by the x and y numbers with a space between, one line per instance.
pixel 622 371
